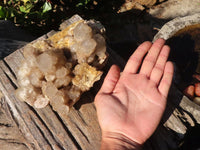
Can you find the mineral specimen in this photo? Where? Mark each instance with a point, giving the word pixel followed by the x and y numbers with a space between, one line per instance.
pixel 58 70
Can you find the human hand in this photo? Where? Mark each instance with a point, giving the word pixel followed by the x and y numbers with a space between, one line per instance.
pixel 130 106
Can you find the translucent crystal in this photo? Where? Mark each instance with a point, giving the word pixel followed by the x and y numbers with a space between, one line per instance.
pixel 36 77
pixel 100 48
pixel 62 109
pixel 75 47
pixel 99 40
pixel 101 53
pixel 46 61
pixel 27 94
pixel 22 93
pixel 24 70
pixel 87 47
pixel 24 81
pixel 41 101
pixel 61 97
pixel 91 58
pixel 62 72
pixel 60 82
pixel 30 51
pixel 60 101
pixel 31 61
pixel 82 31
pixel 74 94
pixel 49 89
pixel 50 77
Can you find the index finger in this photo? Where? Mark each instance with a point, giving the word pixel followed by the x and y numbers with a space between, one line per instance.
pixel 136 58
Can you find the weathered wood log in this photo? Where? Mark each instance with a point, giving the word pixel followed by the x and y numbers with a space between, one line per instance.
pixel 171 9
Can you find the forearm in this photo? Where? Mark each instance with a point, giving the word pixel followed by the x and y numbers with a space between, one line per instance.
pixel 118 142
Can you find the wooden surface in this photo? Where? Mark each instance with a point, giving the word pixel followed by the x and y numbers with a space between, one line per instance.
pixel 45 129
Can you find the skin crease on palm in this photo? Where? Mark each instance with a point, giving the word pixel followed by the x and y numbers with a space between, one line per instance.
pixel 131 104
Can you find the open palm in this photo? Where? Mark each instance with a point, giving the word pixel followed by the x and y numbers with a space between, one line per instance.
pixel 132 104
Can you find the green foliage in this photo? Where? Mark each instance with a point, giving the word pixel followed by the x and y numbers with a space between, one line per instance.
pixel 40 16
pixel 21 8
pixel 46 7
pixel 33 14
pixel 83 3
pixel 26 8
pixel 2 12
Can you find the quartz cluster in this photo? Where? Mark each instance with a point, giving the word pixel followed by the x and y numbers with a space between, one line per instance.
pixel 57 71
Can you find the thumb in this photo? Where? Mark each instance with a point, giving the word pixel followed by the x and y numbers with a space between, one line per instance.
pixel 110 80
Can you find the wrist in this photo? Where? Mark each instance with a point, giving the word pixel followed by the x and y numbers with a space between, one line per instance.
pixel 116 141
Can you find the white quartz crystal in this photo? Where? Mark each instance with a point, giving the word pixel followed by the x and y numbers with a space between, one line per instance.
pixel 62 72
pixel 46 62
pixel 82 31
pixel 41 102
pixel 58 70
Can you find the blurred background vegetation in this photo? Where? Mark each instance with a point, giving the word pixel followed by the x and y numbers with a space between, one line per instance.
pixel 40 16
